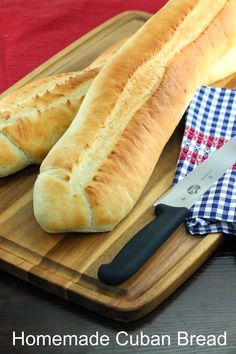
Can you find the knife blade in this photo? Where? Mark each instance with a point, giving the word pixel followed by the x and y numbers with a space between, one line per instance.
pixel 171 210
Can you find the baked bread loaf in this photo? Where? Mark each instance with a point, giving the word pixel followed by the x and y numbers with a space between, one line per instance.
pixel 34 117
pixel 94 175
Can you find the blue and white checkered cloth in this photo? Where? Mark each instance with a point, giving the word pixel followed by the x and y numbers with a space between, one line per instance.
pixel 210 122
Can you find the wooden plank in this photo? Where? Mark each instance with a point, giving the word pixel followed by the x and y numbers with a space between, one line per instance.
pixel 66 264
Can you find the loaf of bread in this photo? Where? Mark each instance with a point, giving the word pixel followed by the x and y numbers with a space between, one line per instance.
pixel 94 175
pixel 34 117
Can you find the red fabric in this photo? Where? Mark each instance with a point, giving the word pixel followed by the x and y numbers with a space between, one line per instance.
pixel 31 31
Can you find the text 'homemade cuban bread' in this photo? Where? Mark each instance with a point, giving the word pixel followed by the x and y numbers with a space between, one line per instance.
pixel 94 175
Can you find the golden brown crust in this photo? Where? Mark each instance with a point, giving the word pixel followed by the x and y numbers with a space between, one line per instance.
pixel 133 107
pixel 12 159
pixel 35 116
pixel 131 162
pixel 39 120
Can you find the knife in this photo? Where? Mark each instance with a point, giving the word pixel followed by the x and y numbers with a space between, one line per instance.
pixel 171 210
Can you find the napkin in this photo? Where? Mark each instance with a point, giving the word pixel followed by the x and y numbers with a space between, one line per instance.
pixel 210 121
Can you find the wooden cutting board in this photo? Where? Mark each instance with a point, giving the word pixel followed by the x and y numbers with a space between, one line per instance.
pixel 67 264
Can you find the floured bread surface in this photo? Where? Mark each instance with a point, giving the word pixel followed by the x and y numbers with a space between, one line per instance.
pixel 128 115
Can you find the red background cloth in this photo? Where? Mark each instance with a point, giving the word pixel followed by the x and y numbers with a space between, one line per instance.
pixel 31 31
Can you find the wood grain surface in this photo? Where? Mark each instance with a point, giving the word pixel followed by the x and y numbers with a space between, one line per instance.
pixel 205 304
pixel 66 265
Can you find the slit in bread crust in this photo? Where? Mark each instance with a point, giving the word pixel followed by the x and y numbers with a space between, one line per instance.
pixel 78 175
pixel 28 93
pixel 17 146
pixel 126 107
pixel 41 106
pixel 61 173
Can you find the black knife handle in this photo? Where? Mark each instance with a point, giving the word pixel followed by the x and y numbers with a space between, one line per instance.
pixel 143 245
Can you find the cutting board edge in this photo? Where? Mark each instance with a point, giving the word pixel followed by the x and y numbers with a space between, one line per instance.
pixel 122 311
pixel 21 268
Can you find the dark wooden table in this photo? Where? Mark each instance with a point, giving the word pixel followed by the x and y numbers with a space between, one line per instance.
pixel 206 304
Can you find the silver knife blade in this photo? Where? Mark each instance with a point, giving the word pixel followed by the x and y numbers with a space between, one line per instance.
pixel 181 196
pixel 192 187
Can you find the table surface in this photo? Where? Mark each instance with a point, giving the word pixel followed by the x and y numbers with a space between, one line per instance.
pixel 205 304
